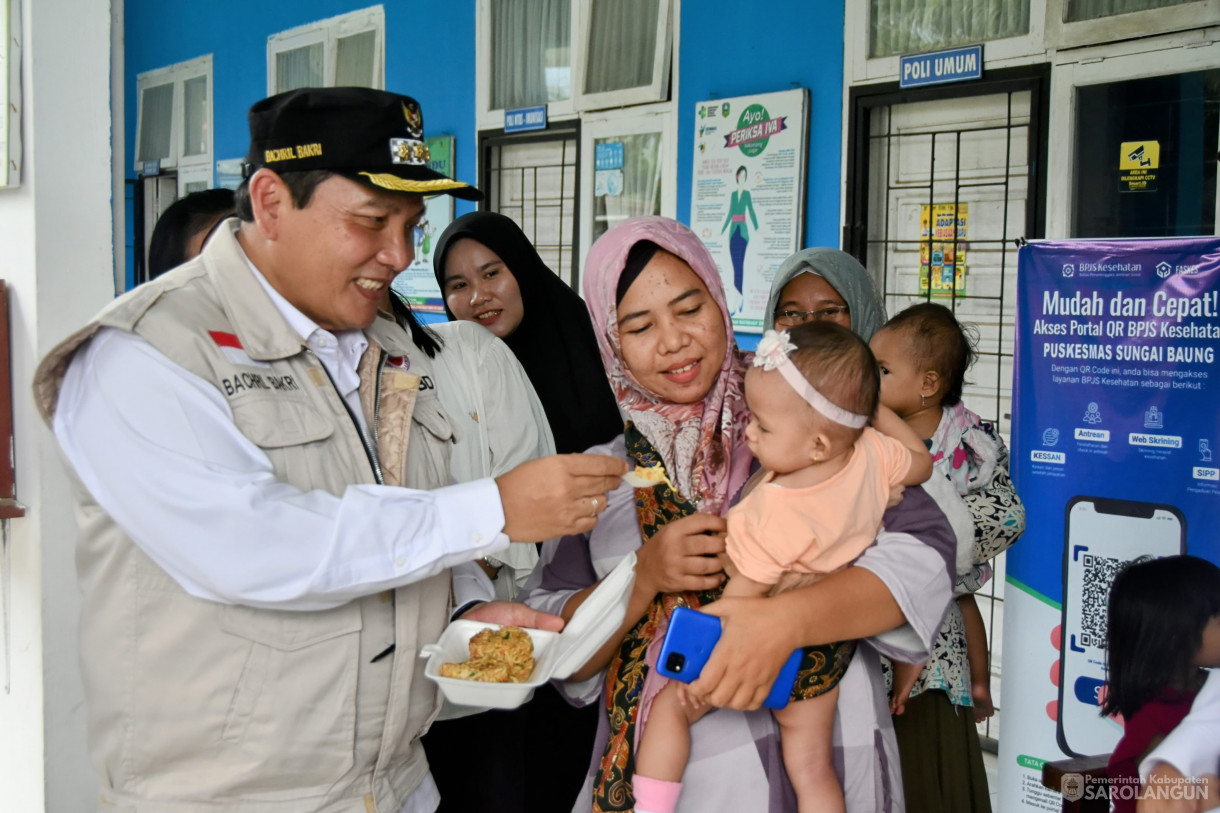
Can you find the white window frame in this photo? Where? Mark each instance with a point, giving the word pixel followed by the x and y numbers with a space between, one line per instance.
pixel 189 167
pixel 329 32
pixel 632 121
pixel 1125 26
pixel 488 118
pixel 493 119
pixel 644 94
pixel 1113 40
pixel 1047 32
pixel 638 117
pixel 1114 62
pixel 1002 53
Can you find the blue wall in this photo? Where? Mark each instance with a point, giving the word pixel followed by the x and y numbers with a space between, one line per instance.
pixel 726 49
pixel 732 49
pixel 729 49
pixel 429 55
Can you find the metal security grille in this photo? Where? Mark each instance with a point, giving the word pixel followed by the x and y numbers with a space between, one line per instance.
pixel 941 186
pixel 533 180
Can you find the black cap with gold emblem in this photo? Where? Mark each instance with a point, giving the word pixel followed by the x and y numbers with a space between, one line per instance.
pixel 371 136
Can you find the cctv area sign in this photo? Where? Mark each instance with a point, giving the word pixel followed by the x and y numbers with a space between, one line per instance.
pixel 1138 162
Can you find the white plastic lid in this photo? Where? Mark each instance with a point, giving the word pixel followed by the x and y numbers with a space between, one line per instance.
pixel 558 654
pixel 594 621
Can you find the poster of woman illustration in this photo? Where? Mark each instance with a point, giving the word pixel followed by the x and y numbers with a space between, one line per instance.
pixel 747 201
pixel 739 238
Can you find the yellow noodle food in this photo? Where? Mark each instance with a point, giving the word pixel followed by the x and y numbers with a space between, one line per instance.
pixel 653 474
pixel 505 655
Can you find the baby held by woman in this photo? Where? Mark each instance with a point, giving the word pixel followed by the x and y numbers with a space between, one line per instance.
pixel 829 478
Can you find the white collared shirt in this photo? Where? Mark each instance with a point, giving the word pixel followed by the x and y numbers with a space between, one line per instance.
pixel 157 448
pixel 339 352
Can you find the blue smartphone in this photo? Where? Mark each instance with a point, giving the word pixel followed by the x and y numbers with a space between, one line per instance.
pixel 689 642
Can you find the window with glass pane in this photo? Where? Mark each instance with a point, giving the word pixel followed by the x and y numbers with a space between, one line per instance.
pixel 1164 127
pixel 632 190
pixel 300 68
pixel 355 58
pixel 1076 10
pixel 622 44
pixel 157 106
pixel 530 52
pixel 195 115
pixel 911 26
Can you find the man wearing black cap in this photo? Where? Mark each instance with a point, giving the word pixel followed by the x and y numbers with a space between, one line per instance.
pixel 260 466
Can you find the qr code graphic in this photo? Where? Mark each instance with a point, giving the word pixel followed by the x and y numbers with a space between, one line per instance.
pixel 1099 572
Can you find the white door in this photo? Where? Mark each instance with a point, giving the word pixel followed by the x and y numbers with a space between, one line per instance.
pixel 930 161
pixel 947 189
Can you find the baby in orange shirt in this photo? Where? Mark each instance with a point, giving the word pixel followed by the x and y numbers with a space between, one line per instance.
pixel 829 479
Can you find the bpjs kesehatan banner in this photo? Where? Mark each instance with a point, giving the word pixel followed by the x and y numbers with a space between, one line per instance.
pixel 1116 418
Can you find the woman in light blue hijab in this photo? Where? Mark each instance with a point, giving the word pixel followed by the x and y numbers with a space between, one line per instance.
pixel 865 310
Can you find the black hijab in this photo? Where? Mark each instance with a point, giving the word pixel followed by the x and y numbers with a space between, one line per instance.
pixel 554 342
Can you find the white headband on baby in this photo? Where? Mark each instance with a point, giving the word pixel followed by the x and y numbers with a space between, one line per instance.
pixel 772 354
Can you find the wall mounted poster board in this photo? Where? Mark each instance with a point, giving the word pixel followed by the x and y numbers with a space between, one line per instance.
pixel 748 192
pixel 1115 456
pixel 418 283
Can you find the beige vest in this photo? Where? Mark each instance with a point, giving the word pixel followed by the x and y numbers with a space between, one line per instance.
pixel 196 706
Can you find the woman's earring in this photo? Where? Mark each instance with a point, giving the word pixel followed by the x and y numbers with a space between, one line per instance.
pixel 922 401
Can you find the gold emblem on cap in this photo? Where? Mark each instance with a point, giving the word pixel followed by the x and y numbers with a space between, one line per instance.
pixel 415 122
pixel 409 151
pixel 413 153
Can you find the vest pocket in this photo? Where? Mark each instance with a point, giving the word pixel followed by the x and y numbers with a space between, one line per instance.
pixel 298 439
pixel 293 706
pixel 274 421
pixel 290 630
pixel 430 449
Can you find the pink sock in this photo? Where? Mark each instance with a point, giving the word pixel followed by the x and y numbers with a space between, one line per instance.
pixel 655 795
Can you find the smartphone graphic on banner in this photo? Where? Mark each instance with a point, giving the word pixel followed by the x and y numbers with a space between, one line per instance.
pixel 1101 536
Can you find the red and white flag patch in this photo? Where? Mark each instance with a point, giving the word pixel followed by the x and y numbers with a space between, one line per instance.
pixel 230 345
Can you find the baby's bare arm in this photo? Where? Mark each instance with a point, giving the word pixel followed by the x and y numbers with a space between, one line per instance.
pixel 739 586
pixel 887 422
pixel 905 675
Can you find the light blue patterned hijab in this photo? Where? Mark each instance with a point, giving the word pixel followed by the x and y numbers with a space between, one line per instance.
pixel 845 275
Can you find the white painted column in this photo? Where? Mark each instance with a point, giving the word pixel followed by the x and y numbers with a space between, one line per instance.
pixel 57 256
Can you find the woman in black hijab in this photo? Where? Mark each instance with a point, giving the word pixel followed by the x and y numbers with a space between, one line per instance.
pixel 536 758
pixel 477 260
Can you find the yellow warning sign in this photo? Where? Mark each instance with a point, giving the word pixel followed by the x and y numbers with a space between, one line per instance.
pixel 943 228
pixel 1138 162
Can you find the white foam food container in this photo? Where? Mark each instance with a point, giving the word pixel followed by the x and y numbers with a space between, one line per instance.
pixel 556 654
